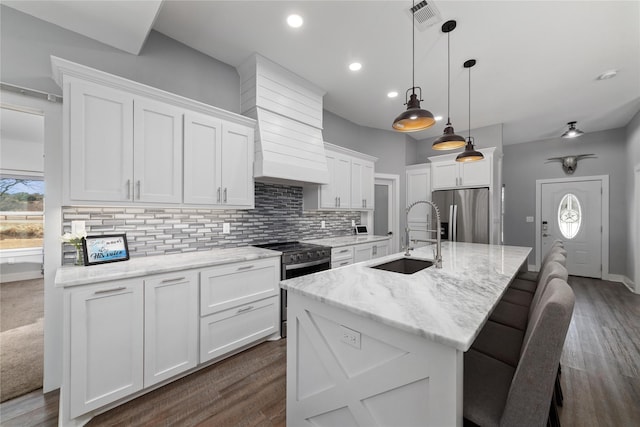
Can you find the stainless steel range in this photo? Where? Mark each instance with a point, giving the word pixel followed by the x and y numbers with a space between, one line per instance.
pixel 297 260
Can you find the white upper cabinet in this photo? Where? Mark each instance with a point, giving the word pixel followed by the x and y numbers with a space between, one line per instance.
pixel 157 152
pixel 447 173
pixel 362 183
pixel 202 158
pixel 218 160
pixel 351 182
pixel 100 149
pixel 237 165
pixel 123 143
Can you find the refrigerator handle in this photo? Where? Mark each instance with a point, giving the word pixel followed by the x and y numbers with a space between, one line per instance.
pixel 451 225
pixel 455 223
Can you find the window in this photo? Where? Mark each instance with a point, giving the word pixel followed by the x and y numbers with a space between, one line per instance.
pixel 21 211
pixel 569 216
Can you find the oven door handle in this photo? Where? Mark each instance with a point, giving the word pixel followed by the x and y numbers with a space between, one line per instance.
pixel 307 264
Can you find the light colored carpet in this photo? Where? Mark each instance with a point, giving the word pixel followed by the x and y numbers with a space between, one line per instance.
pixel 21 360
pixel 21 337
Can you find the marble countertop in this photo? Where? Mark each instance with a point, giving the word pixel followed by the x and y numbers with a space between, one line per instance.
pixel 448 305
pixel 143 266
pixel 336 242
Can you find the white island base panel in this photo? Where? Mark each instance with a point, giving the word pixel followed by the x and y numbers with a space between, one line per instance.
pixel 383 377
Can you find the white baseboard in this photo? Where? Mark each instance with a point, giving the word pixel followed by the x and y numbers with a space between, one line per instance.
pixel 624 280
pixel 25 275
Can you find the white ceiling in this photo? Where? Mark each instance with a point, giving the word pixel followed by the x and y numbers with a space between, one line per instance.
pixel 537 60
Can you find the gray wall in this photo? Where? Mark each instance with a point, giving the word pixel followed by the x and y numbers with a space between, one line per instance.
pixel 27 43
pixel 485 137
pixel 633 161
pixel 390 147
pixel 525 163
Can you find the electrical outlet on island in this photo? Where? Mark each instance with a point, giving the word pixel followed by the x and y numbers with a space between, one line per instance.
pixel 226 228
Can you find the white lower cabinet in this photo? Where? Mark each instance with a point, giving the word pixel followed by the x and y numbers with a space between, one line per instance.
pixel 105 344
pixel 124 336
pixel 239 303
pixel 346 255
pixel 228 330
pixel 171 325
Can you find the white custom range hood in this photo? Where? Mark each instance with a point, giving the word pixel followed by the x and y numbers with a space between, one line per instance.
pixel 289 146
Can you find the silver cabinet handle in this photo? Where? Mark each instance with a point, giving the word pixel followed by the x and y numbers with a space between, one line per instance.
pixel 105 291
pixel 225 194
pixel 138 184
pixel 242 310
pixel 218 199
pixel 175 279
pixel 344 263
pixel 343 251
pixel 128 189
pixel 338 201
pixel 246 267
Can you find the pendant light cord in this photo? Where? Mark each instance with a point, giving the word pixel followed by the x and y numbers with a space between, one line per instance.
pixel 413 47
pixel 469 104
pixel 449 78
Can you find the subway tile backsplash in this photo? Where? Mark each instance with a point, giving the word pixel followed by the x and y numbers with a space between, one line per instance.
pixel 278 216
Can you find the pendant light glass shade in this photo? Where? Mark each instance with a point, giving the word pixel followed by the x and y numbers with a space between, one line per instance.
pixel 572 132
pixel 415 118
pixel 449 140
pixel 470 154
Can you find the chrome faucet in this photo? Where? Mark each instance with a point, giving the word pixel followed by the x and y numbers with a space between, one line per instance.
pixel 438 260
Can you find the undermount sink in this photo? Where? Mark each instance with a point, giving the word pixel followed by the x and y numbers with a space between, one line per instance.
pixel 404 265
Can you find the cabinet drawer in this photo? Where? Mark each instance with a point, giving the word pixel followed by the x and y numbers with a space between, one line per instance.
pixel 232 285
pixel 339 254
pixel 223 332
pixel 342 263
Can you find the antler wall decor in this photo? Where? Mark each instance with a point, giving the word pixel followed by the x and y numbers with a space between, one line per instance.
pixel 570 163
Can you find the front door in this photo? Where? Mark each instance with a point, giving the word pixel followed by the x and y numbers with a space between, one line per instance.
pixel 572 212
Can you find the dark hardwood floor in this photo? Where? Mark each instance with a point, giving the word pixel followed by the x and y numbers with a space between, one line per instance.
pixel 600 378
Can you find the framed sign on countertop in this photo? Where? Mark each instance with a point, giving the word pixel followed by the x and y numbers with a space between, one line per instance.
pixel 105 248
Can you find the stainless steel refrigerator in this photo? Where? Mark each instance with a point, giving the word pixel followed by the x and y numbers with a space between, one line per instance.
pixel 464 214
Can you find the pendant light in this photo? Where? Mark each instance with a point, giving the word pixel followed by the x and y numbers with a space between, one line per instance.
pixel 415 118
pixel 469 154
pixel 449 140
pixel 572 132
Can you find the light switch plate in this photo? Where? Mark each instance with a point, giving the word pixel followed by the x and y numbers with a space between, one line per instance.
pixel 77 227
pixel 226 228
pixel 322 224
pixel 529 219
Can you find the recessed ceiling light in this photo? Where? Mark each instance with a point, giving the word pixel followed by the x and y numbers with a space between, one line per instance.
pixel 355 66
pixel 437 118
pixel 392 94
pixel 607 75
pixel 295 21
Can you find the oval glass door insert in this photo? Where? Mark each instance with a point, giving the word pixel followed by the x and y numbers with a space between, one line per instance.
pixel 569 216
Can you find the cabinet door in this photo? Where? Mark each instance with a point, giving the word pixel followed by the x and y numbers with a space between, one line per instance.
pixel 328 196
pixel 100 143
pixel 233 285
pixel 226 331
pixel 444 175
pixel 171 325
pixel 362 252
pixel 418 188
pixel 202 159
pixel 368 185
pixel 476 173
pixel 343 181
pixel 357 197
pixel 237 165
pixel 380 249
pixel 157 152
pixel 106 344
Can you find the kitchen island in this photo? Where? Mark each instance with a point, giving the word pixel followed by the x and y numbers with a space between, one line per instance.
pixel 369 347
